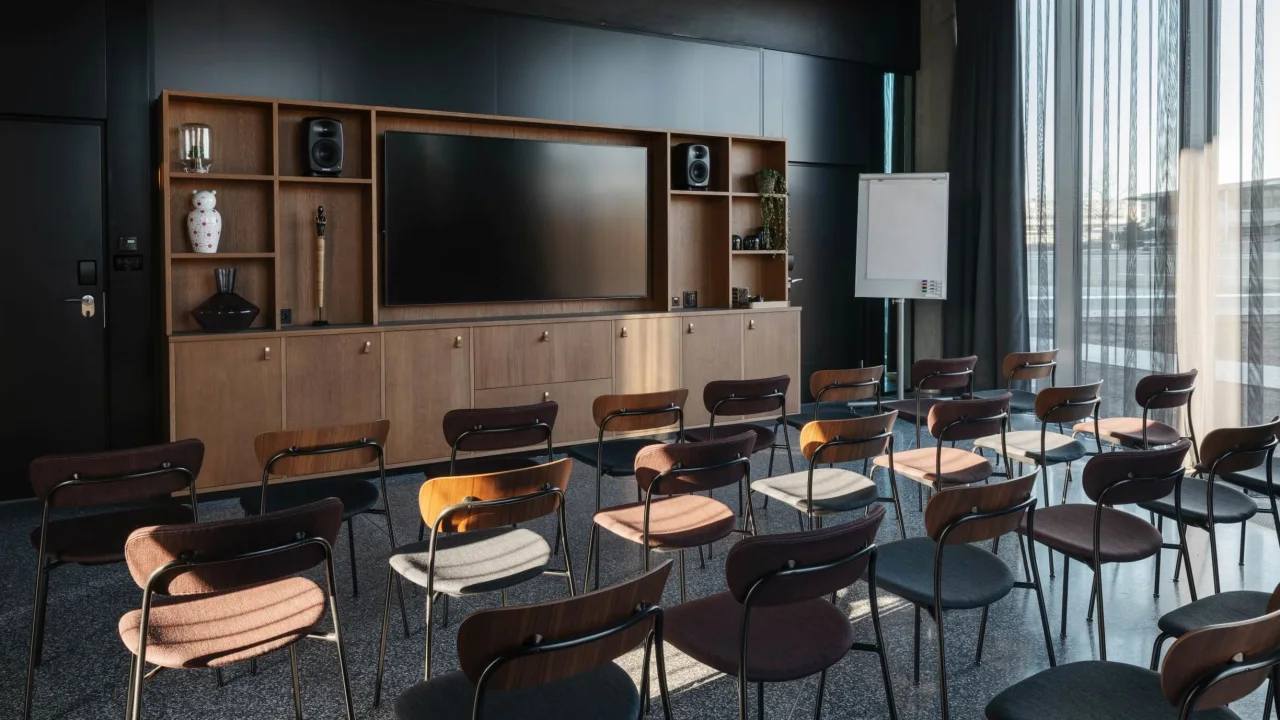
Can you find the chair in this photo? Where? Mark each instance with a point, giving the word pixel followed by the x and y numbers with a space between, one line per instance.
pixel 552 660
pixel 1206 502
pixel 818 492
pixel 631 413
pixel 1025 367
pixel 337 449
pixel 954 420
pixel 475 546
pixel 932 377
pixel 140 479
pixel 673 517
pixel 219 593
pixel 837 389
pixel 1204 670
pixel 748 397
pixel 1153 392
pixel 1096 533
pixel 1258 480
pixel 1229 607
pixel 775 623
pixel 489 430
pixel 946 571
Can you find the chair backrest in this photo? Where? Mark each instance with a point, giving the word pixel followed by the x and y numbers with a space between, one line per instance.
pixel 680 468
pixel 1155 392
pixel 1201 656
pixel 487 635
pixel 755 558
pixel 639 411
pixel 968 419
pixel 1030 365
pixel 1228 450
pixel 116 476
pixel 1067 403
pixel 943 373
pixel 438 494
pixel 1134 476
pixel 839 441
pixel 329 449
pixel 846 385
pixel 230 554
pixel 746 397
pixel 955 503
pixel 505 428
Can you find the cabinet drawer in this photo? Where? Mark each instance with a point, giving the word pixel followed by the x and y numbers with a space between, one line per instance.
pixel 573 423
pixel 540 353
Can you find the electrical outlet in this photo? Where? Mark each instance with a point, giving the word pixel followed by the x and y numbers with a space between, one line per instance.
pixel 286 316
pixel 675 301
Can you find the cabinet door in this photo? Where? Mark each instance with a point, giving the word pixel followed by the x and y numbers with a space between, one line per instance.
pixel 428 373
pixel 646 355
pixel 511 355
pixel 771 347
pixel 574 423
pixel 226 392
pixel 711 349
pixel 332 380
pixel 580 351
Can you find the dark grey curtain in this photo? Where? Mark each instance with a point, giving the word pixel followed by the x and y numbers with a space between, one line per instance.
pixel 985 313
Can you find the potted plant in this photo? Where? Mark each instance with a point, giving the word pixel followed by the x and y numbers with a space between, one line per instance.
pixel 774 213
pixel 768 181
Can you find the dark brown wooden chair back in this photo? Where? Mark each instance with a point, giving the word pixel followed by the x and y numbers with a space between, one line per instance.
pixel 746 397
pixel 1201 654
pixel 943 373
pixel 438 494
pixel 952 504
pixel 1156 392
pixel 1067 403
pixel 754 558
pixel 952 420
pixel 150 549
pixel 680 468
pixel 507 428
pixel 270 444
pixel 487 635
pixel 1137 475
pixel 834 385
pixel 649 405
pixel 111 472
pixel 836 434
pixel 1030 365
pixel 1229 450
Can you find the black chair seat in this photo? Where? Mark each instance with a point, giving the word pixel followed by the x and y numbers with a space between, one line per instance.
pixel 1091 689
pixel 1021 402
pixel 972 577
pixel 606 693
pixel 907 408
pixel 1229 504
pixel 481 465
pixel 828 411
pixel 619 455
pixel 357 495
pixel 765 436
pixel 1227 607
pixel 1256 479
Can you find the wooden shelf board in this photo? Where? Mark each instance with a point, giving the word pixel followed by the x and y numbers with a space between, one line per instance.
pixel 759 252
pixel 202 177
pixel 698 193
pixel 224 256
pixel 325 180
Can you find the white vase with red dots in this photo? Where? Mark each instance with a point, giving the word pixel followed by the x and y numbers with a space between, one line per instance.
pixel 204 223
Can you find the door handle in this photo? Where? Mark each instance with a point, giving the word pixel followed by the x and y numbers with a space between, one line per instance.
pixel 87 308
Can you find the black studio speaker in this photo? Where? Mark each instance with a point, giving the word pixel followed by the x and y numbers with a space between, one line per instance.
pixel 322 145
pixel 692 166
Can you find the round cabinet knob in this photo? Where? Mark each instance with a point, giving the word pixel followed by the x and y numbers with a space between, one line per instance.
pixel 266 353
pixel 546 335
pixel 368 346
pixel 546 396
pixel 624 331
pixel 690 328
pixel 751 324
pixel 457 342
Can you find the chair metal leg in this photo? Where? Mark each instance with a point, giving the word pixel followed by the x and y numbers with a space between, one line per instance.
pixel 426 661
pixel 1044 612
pixel 773 450
pixel 682 577
pixel 982 634
pixel 786 438
pixel 1156 590
pixel 504 597
pixel 297 686
pixel 942 663
pixel 1186 555
pixel 1102 618
pixel 1213 556
pixel 880 653
pixel 342 655
pixel 351 542
pixel 217 673
pixel 37 632
pixel 1093 598
pixel 382 640
pixel 702 559
pixel 916 654
pixel 1022 548
pixel 1066 583
pixel 591 550
pixel 822 685
pixel 134 704
pixel 1155 651
pixel 1271 695
pixel 759 701
pixel 128 699
pixel 1242 536
pixel 444 608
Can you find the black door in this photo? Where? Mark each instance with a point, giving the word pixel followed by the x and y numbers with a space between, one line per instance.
pixel 51 216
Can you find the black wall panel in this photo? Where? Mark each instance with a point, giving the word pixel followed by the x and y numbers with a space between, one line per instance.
pixel 831 111
pixel 55 59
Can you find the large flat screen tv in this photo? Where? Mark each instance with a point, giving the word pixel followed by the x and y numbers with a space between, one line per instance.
pixel 478 219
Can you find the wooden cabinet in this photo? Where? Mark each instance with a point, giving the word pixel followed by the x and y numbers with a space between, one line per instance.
pixel 540 353
pixel 771 347
pixel 574 423
pixel 711 349
pixel 581 351
pixel 226 392
pixel 428 373
pixel 332 379
pixel 646 355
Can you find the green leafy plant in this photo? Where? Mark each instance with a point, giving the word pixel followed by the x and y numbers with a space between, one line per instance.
pixel 774 211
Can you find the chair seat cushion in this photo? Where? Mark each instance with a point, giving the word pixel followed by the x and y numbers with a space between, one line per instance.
pixel 1094 690
pixel 1024 446
pixel 357 495
pixel 829 410
pixel 475 562
pixel 959 467
pixel 619 456
pixel 907 408
pixel 99 538
pixel 678 521
pixel 834 490
pixel 765 436
pixel 223 628
pixel 605 693
pixel 480 465
pixel 972 577
pixel 1020 401
pixel 1227 607
pixel 1069 530
pixel 787 642
pixel 1127 432
pixel 1255 479
pixel 1229 504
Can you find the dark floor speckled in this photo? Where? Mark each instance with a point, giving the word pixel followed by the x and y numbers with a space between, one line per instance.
pixel 85 666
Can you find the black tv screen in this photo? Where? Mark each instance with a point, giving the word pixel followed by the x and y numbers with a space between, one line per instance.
pixel 479 219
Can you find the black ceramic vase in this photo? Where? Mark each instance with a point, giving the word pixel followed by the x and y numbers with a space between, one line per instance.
pixel 225 311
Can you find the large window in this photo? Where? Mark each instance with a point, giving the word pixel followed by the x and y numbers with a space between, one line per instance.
pixel 1035 20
